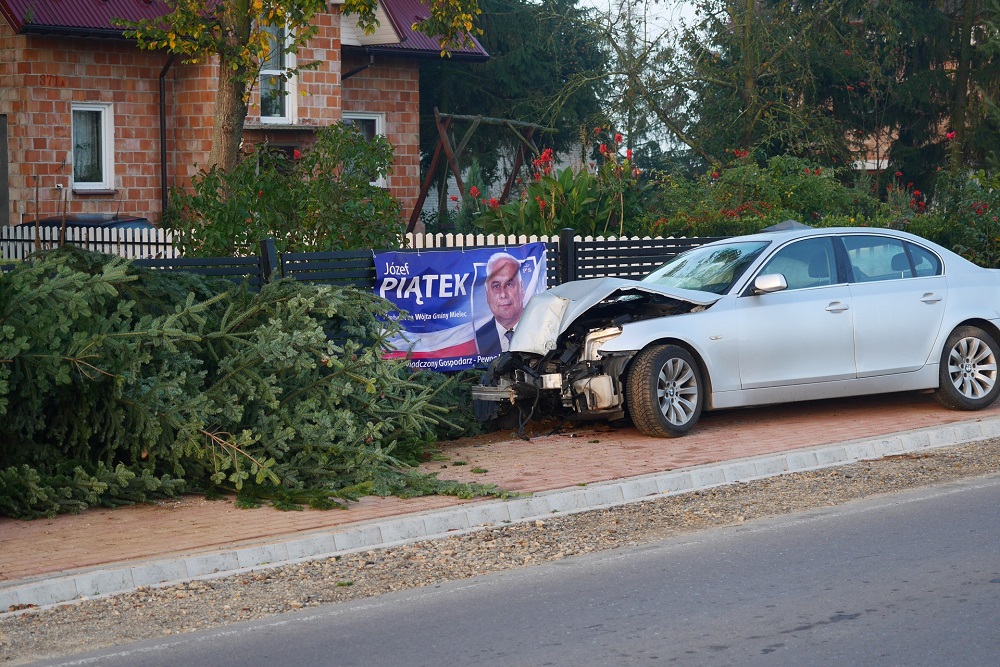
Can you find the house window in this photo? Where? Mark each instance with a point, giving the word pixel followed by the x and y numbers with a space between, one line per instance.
pixel 277 87
pixel 93 147
pixel 370 125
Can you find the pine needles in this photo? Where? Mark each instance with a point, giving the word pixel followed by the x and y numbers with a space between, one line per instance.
pixel 120 384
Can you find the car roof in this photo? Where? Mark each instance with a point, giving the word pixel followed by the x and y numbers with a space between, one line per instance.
pixel 789 234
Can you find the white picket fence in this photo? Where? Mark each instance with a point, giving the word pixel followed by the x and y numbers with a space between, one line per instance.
pixel 19 241
pixel 442 241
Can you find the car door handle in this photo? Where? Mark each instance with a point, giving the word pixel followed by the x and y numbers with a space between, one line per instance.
pixel 930 297
pixel 837 307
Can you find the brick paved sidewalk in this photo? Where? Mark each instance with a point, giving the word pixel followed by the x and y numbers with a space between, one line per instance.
pixel 32 550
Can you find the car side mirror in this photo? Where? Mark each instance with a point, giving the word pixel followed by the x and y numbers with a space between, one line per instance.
pixel 771 282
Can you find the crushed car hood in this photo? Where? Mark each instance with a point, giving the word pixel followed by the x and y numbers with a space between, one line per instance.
pixel 549 314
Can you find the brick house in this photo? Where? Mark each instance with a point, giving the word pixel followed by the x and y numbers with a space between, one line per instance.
pixel 92 123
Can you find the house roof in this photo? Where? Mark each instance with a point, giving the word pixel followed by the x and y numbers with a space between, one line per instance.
pixel 403 14
pixel 85 18
pixel 92 18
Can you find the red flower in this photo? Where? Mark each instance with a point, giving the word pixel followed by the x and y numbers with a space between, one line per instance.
pixel 541 203
pixel 950 136
pixel 715 174
pixel 899 174
pixel 543 163
pixel 597 130
pixel 453 197
pixel 260 194
pixel 474 191
pixel 296 154
pixel 628 154
pixel 916 193
pixel 818 171
pixel 740 153
pixel 604 149
pixel 618 138
pixel 850 87
pixel 847 52
pixel 494 204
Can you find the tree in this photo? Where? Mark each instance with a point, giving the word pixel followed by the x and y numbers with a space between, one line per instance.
pixel 945 110
pixel 747 75
pixel 236 31
pixel 535 48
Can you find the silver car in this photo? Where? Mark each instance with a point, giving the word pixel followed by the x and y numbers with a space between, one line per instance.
pixel 768 318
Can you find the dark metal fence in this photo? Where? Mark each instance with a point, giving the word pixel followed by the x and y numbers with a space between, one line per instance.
pixel 568 258
pixel 621 258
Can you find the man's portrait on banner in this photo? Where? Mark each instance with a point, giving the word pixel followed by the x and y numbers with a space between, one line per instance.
pixel 504 284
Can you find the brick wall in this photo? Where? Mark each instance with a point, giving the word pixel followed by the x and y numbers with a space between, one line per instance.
pixel 317 92
pixel 391 86
pixel 41 77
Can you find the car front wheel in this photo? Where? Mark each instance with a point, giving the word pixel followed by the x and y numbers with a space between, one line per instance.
pixel 968 372
pixel 665 392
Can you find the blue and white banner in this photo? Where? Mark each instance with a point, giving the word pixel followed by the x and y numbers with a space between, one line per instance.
pixel 458 308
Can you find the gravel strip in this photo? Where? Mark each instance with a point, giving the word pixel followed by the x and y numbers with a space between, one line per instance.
pixel 156 612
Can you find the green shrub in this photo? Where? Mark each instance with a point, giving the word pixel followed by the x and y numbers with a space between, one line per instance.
pixel 745 197
pixel 594 204
pixel 964 216
pixel 321 200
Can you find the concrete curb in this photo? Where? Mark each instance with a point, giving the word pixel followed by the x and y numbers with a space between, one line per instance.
pixel 90 583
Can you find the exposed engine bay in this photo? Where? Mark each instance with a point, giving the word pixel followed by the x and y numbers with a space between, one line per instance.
pixel 573 379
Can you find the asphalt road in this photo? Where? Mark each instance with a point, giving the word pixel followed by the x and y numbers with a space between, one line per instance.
pixel 906 579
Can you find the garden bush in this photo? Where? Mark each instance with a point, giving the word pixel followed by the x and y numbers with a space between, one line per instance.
pixel 320 199
pixel 746 196
pixel 963 216
pixel 596 204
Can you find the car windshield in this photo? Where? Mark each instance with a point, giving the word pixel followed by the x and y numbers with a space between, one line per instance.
pixel 712 268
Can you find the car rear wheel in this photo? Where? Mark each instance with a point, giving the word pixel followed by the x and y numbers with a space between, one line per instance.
pixel 968 371
pixel 665 393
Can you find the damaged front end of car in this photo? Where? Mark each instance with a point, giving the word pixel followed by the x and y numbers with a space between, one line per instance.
pixel 556 367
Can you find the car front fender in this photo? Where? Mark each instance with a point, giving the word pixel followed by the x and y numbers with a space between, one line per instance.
pixel 711 335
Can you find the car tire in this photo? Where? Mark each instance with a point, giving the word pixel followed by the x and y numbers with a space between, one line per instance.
pixel 665 392
pixel 968 377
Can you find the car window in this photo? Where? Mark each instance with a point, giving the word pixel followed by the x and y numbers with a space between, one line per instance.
pixel 709 268
pixel 925 263
pixel 875 258
pixel 808 263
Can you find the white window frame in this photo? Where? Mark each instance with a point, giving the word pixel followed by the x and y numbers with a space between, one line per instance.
pixel 379 119
pixel 290 86
pixel 107 158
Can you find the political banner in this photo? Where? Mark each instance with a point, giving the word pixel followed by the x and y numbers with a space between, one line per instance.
pixel 457 309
